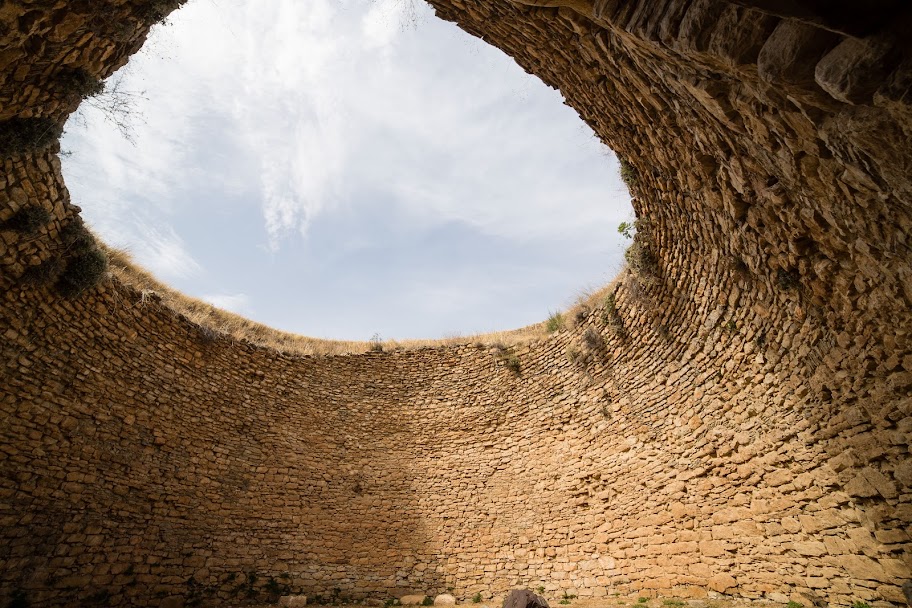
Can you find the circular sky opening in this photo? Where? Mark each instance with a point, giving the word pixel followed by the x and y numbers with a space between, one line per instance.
pixel 343 169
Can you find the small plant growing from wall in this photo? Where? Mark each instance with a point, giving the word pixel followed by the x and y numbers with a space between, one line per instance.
pixel 626 229
pixel 640 259
pixel 505 356
pixel 85 263
pixel 427 601
pixel 581 315
pixel 376 343
pixel 158 10
pixel 642 262
pixel 592 340
pixel 612 318
pixel 27 220
pixel 78 84
pixel 23 135
pixel 554 323
pixel 629 174
pixel 476 599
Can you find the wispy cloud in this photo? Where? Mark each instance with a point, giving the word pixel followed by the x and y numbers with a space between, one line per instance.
pixel 263 121
pixel 163 252
pixel 238 302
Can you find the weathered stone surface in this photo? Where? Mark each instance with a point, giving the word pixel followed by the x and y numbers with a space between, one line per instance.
pixel 855 69
pixel 523 598
pixel 293 601
pixel 411 600
pixel 792 51
pixel 742 426
pixel 444 599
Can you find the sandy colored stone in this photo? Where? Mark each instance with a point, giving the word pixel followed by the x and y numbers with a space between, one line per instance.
pixel 734 420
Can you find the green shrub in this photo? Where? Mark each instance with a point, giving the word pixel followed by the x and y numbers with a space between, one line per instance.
pixel 376 344
pixel 794 605
pixel 642 262
pixel 76 237
pixel 27 220
pixel 626 229
pixel 82 272
pixel 860 604
pixel 581 315
pixel 593 340
pixel 505 356
pixel 156 11
pixel 44 273
pixel 22 135
pixel 643 600
pixel 427 601
pixel 512 363
pixel 611 317
pixel 84 263
pixel 208 335
pixel 555 322
pixel 78 84
pixel 476 599
pixel 628 173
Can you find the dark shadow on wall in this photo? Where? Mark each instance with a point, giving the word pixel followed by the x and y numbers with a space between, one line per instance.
pixel 158 463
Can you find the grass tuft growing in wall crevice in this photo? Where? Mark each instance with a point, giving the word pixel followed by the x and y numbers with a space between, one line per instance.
pixel 24 135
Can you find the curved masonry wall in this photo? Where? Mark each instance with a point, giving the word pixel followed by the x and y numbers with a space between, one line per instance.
pixel 738 422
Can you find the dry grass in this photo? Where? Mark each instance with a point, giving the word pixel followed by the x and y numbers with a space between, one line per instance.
pixel 230 325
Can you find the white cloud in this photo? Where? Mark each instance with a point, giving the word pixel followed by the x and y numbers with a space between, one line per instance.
pixel 238 302
pixel 163 252
pixel 262 120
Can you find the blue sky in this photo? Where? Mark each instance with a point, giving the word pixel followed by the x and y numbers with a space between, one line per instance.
pixel 338 169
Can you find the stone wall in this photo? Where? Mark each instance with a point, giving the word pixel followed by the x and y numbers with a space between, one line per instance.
pixel 735 420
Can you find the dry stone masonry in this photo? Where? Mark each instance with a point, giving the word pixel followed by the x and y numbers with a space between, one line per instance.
pixel 734 419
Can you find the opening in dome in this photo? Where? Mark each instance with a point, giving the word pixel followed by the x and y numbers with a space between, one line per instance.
pixel 348 169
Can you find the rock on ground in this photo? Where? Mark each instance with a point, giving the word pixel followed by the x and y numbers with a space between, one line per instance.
pixel 523 598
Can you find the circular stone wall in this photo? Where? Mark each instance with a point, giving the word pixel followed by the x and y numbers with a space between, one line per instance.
pixel 733 418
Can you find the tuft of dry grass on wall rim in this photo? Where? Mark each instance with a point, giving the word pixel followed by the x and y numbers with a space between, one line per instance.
pixel 126 271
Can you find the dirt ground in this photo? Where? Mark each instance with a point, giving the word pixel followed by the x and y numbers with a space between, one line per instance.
pixel 604 602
